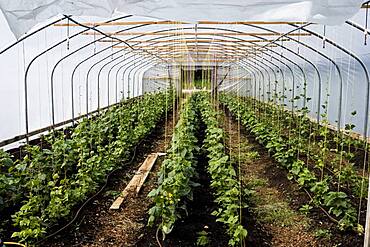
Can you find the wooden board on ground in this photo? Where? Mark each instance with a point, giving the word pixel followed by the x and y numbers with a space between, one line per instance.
pixel 134 186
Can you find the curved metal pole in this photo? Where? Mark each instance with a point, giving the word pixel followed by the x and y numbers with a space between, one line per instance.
pixel 133 80
pixel 259 81
pixel 255 84
pixel 302 71
pixel 72 85
pixel 293 81
pixel 92 68
pixel 357 26
pixel 101 69
pixel 129 78
pixel 273 72
pixel 44 52
pixel 108 82
pixel 137 79
pixel 245 79
pixel 315 67
pixel 118 70
pixel 281 72
pixel 265 48
pixel 297 65
pixel 284 56
pixel 254 79
pixel 139 65
pixel 269 79
pixel 124 71
pixel 258 67
pixel 363 66
pixel 27 35
pixel 87 78
pixel 290 69
pixel 128 67
pixel 241 39
pixel 145 69
pixel 119 63
pixel 74 52
pixel 91 56
pixel 108 76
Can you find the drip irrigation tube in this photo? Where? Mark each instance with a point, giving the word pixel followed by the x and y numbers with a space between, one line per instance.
pixel 91 198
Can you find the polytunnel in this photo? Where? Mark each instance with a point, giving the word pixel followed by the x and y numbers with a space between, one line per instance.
pixel 184 123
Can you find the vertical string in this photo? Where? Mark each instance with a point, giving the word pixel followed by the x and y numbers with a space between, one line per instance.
pixel 324 37
pixel 366 23
pixel 68 34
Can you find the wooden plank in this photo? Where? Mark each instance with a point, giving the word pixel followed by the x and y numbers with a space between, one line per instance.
pixel 128 23
pixel 150 160
pixel 121 23
pixel 137 181
pixel 226 49
pixel 180 33
pixel 250 22
pixel 192 47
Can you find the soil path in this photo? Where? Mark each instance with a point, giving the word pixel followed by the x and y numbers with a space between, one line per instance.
pixel 271 220
pixel 275 217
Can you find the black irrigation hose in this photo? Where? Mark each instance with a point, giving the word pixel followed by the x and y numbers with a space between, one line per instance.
pixel 92 197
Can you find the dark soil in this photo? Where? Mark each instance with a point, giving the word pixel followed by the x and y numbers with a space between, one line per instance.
pixel 261 234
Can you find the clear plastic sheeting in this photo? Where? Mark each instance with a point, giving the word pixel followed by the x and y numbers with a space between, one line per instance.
pixel 155 79
pixel 304 85
pixel 83 64
pixel 22 14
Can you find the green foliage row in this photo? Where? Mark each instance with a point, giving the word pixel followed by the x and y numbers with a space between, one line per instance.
pixel 49 182
pixel 175 183
pixel 224 180
pixel 178 171
pixel 271 136
pixel 331 152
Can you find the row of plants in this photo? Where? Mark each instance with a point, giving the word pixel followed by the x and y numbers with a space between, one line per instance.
pixel 286 145
pixel 330 152
pixel 50 181
pixel 224 180
pixel 177 173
